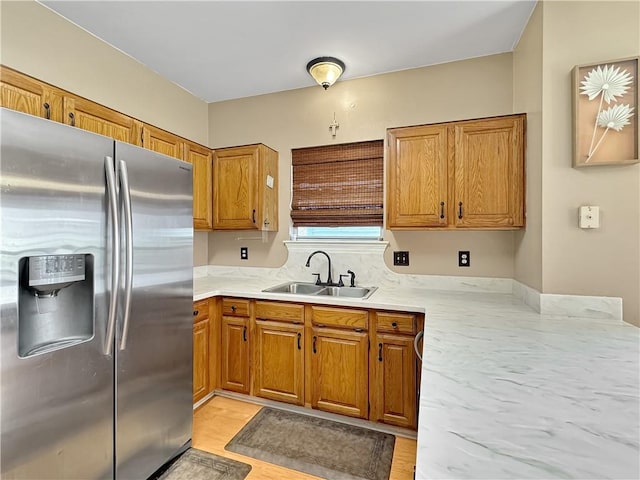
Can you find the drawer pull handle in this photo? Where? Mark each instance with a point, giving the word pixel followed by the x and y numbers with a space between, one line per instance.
pixel 47 111
pixel 299 346
pixel 379 352
pixel 195 313
pixel 394 324
pixel 314 344
pixel 253 216
pixel 72 117
pixel 358 330
pixel 459 209
pixel 441 209
pixel 233 308
pixel 244 333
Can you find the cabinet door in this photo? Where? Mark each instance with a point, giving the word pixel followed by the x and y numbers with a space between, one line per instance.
pixel 27 95
pixel 201 335
pixel 162 142
pixel 339 372
pixel 417 177
pixel 200 158
pixel 87 115
pixel 394 396
pixel 234 178
pixel 235 354
pixel 489 173
pixel 279 361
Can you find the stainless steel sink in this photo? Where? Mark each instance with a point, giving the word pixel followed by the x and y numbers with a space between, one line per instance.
pixel 351 292
pixel 303 288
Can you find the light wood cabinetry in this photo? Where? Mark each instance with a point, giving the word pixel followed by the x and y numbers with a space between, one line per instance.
pixel 28 95
pixel 201 160
pixel 417 177
pixel 245 186
pixel 339 361
pixel 467 174
pixel 235 361
pixel 201 350
pixel 162 141
pixel 90 116
pixel 394 369
pixel 278 348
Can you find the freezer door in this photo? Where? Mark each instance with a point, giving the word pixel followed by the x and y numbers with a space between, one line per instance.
pixel 154 368
pixel 56 404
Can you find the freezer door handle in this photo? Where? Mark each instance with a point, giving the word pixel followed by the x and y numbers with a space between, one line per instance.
pixel 112 196
pixel 125 196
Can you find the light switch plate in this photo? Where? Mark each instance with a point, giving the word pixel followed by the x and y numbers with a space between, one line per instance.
pixel 589 216
pixel 269 181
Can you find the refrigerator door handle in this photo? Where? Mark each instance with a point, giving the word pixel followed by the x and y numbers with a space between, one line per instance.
pixel 110 173
pixel 125 195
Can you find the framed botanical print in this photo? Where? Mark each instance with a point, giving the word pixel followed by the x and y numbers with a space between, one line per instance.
pixel 605 113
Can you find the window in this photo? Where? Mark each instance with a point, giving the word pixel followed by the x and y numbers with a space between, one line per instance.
pixel 338 190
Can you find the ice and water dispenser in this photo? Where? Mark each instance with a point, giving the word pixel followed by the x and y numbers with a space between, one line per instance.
pixel 56 302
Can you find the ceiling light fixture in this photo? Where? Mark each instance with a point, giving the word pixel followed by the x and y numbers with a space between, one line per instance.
pixel 325 70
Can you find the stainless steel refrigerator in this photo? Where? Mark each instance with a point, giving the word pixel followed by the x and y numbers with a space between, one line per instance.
pixel 96 304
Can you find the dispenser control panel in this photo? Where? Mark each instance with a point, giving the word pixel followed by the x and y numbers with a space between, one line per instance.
pixel 53 269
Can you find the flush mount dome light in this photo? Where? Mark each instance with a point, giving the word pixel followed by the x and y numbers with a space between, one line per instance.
pixel 325 70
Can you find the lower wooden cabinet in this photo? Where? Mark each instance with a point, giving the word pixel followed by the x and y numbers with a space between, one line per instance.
pixel 279 361
pixel 350 361
pixel 201 350
pixel 235 354
pixel 339 371
pixel 394 391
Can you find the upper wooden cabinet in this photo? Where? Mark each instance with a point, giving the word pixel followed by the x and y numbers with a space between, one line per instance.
pixel 467 174
pixel 200 158
pixel 27 95
pixel 162 141
pixel 245 186
pixel 87 115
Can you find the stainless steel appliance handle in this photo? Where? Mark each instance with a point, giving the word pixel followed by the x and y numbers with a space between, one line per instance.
pixel 416 340
pixel 125 196
pixel 112 196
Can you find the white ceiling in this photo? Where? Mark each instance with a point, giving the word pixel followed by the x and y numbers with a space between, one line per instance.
pixel 220 50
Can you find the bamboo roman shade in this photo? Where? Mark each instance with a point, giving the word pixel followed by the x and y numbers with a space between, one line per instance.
pixel 338 185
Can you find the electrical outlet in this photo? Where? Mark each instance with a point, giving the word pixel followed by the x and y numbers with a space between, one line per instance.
pixel 244 253
pixel 401 258
pixel 464 258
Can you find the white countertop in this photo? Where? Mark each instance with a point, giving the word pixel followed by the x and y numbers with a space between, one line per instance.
pixel 507 392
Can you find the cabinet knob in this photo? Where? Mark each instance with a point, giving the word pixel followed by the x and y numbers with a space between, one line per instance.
pixel 394 324
pixel 233 308
pixel 72 119
pixel 47 111
pixel 195 313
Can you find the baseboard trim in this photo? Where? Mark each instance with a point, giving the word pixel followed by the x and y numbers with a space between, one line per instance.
pixel 357 422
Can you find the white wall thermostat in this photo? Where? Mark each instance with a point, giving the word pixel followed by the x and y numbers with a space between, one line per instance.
pixel 589 217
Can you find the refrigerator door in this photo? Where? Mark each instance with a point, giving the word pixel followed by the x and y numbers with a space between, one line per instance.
pixel 56 404
pixel 154 366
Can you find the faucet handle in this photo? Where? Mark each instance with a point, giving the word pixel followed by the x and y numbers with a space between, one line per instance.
pixel 340 282
pixel 318 282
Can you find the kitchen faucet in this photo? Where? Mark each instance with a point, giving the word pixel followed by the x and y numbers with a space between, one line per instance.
pixel 329 279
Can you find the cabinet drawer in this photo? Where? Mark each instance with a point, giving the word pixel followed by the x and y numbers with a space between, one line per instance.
pixel 200 310
pixel 396 323
pixel 235 307
pixel 340 317
pixel 286 312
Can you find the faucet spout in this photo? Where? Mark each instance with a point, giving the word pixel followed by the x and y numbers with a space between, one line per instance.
pixel 329 279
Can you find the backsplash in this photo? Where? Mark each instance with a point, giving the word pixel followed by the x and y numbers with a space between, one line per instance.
pixel 366 259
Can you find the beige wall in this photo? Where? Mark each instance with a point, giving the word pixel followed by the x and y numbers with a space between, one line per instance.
pixel 40 43
pixel 527 97
pixel 365 108
pixel 605 261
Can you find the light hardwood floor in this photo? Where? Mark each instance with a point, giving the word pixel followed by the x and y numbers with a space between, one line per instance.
pixel 217 422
